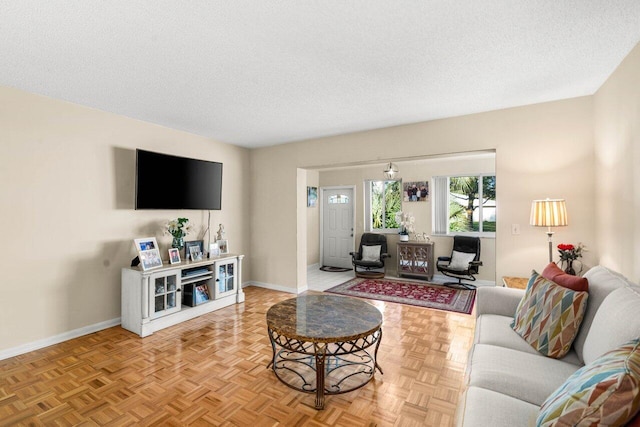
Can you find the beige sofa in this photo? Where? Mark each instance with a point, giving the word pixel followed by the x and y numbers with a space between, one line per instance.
pixel 507 380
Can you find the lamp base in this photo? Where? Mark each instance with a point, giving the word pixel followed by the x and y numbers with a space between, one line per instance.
pixel 550 235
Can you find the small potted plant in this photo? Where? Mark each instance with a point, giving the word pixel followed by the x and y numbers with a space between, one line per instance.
pixel 178 228
pixel 406 222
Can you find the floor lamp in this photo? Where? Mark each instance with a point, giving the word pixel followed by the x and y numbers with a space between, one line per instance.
pixel 549 213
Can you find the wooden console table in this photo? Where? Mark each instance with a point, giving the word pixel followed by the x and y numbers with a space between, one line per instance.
pixel 415 259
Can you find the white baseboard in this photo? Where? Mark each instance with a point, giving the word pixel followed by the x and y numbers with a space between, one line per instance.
pixel 57 339
pixel 315 266
pixel 273 287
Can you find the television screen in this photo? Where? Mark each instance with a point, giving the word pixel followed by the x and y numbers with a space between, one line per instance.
pixel 171 182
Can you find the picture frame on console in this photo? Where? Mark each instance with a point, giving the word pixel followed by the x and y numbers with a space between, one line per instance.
pixel 146 243
pixel 150 259
pixel 223 245
pixel 193 243
pixel 195 253
pixel 174 255
pixel 148 253
pixel 214 250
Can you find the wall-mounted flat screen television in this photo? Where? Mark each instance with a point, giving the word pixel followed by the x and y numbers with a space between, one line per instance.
pixel 171 182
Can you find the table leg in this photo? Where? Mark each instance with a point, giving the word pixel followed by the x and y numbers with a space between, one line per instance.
pixel 273 348
pixel 320 354
pixel 375 355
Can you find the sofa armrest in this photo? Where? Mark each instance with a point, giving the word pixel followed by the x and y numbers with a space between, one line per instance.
pixel 498 300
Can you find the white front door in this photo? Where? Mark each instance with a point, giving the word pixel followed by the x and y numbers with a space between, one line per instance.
pixel 337 227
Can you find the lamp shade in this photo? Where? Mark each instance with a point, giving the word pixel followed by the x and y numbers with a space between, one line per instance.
pixel 549 213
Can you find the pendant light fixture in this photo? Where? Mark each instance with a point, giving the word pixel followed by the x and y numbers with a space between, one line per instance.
pixel 390 170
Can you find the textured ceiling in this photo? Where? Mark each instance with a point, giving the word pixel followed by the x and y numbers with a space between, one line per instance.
pixel 256 73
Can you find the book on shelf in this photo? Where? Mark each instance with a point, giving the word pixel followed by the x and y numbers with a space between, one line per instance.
pixel 202 293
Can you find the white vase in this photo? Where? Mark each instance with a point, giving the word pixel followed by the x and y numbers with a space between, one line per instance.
pixel 404 237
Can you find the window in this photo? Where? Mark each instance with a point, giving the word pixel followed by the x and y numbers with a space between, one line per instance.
pixel 465 204
pixel 338 199
pixel 383 200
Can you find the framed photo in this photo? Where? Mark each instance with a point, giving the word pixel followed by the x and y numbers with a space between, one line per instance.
pixel 312 196
pixel 146 244
pixel 214 250
pixel 174 255
pixel 194 243
pixel 195 254
pixel 223 245
pixel 415 191
pixel 150 259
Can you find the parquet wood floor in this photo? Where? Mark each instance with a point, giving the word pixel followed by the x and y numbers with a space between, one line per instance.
pixel 211 371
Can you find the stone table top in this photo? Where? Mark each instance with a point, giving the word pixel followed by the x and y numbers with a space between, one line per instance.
pixel 324 318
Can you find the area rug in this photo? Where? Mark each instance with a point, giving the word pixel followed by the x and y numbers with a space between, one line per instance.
pixel 334 269
pixel 412 293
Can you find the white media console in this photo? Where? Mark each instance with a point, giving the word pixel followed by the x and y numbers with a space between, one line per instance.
pixel 153 299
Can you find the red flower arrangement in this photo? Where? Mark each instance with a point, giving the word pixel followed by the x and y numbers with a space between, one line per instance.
pixel 568 252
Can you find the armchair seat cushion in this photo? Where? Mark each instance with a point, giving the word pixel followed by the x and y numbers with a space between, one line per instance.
pixel 370 264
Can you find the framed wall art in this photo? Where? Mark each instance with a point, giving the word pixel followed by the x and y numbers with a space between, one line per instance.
pixel 417 191
pixel 312 197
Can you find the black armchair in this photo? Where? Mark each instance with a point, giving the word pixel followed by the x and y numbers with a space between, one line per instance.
pixel 463 263
pixel 370 255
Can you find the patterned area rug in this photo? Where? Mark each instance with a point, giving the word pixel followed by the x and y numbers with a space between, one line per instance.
pixel 412 293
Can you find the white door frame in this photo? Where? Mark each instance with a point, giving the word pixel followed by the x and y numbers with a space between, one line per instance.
pixel 353 234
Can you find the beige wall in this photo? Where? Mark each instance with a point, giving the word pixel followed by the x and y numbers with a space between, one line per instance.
pixel 543 150
pixel 67 176
pixel 617 153
pixel 417 170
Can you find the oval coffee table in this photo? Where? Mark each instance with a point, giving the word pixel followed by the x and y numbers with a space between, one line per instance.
pixel 321 343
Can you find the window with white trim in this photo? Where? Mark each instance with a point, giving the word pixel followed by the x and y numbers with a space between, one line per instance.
pixel 464 204
pixel 383 199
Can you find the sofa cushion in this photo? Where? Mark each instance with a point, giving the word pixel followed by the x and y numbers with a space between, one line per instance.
pixel 549 316
pixel 605 392
pixel 496 330
pixel 525 376
pixel 478 408
pixel 602 282
pixel 555 274
pixel 616 322
pixel 497 300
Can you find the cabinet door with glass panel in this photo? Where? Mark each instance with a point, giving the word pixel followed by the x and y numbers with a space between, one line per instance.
pixel 226 281
pixel 164 293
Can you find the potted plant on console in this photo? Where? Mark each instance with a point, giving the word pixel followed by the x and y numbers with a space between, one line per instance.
pixel 178 228
pixel 406 222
